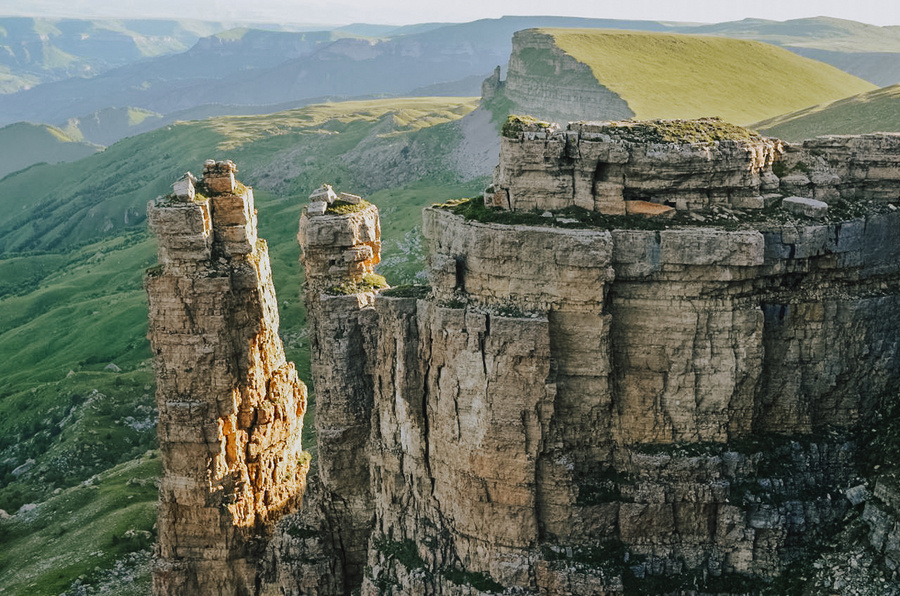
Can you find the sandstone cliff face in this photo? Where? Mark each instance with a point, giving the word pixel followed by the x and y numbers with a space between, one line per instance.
pixel 603 411
pixel 231 407
pixel 542 79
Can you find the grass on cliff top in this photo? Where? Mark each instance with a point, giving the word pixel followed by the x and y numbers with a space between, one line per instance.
pixel 343 208
pixel 703 130
pixel 875 111
pixel 516 123
pixel 692 76
pixel 370 282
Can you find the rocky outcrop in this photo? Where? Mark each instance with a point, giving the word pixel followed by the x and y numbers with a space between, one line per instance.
pixel 575 406
pixel 230 406
pixel 542 79
pixel 602 410
pixel 689 165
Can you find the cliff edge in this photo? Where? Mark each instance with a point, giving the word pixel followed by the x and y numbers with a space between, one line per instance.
pixel 588 401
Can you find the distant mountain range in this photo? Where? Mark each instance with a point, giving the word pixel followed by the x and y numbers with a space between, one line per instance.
pixel 146 65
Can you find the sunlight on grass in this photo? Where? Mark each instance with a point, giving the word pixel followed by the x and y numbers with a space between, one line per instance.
pixel 876 111
pixel 409 114
pixel 693 76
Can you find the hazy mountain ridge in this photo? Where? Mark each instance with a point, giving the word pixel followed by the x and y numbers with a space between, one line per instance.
pixel 48 49
pixel 275 67
pixel 266 67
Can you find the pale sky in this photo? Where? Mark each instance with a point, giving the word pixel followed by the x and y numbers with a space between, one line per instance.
pixel 401 12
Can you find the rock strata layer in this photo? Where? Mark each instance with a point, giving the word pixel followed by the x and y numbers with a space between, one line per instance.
pixel 605 410
pixel 601 165
pixel 231 407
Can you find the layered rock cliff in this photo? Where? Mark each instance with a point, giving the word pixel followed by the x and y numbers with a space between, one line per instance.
pixel 230 406
pixel 582 402
pixel 575 408
pixel 542 79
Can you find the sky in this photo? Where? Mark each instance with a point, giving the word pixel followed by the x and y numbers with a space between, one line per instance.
pixel 402 12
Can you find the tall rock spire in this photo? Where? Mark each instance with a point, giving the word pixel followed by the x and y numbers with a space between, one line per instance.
pixel 230 406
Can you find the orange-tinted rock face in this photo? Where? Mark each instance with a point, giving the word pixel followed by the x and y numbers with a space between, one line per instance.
pixel 231 407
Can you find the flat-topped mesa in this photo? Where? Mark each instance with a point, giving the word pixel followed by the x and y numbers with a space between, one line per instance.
pixel 685 164
pixel 230 405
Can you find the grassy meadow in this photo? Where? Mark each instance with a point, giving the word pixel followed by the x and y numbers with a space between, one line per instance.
pixel 691 76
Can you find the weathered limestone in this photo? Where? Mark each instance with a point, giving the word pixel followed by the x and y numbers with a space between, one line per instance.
pixel 342 249
pixel 339 248
pixel 564 397
pixel 230 406
pixel 860 167
pixel 601 165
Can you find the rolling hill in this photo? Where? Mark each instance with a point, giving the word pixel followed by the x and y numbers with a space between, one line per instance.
pixel 23 144
pixel 866 51
pixel 689 76
pixel 874 111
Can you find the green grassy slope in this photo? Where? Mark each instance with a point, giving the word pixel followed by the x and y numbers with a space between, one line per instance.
pixel 690 76
pixel 23 144
pixel 73 305
pixel 51 208
pixel 875 111
pixel 84 530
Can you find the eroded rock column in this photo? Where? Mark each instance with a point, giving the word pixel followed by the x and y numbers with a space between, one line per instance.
pixel 339 252
pixel 231 407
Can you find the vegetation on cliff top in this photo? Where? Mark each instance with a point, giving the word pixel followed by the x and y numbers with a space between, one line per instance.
pixel 690 76
pixel 370 282
pixel 516 123
pixel 344 208
pixel 703 130
pixel 720 217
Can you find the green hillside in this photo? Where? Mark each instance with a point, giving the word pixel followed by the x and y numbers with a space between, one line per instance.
pixel 107 126
pixel 23 144
pixel 76 398
pixel 875 111
pixel 690 76
pixel 57 207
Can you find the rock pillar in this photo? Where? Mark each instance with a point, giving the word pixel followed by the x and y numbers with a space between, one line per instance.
pixel 339 252
pixel 230 406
